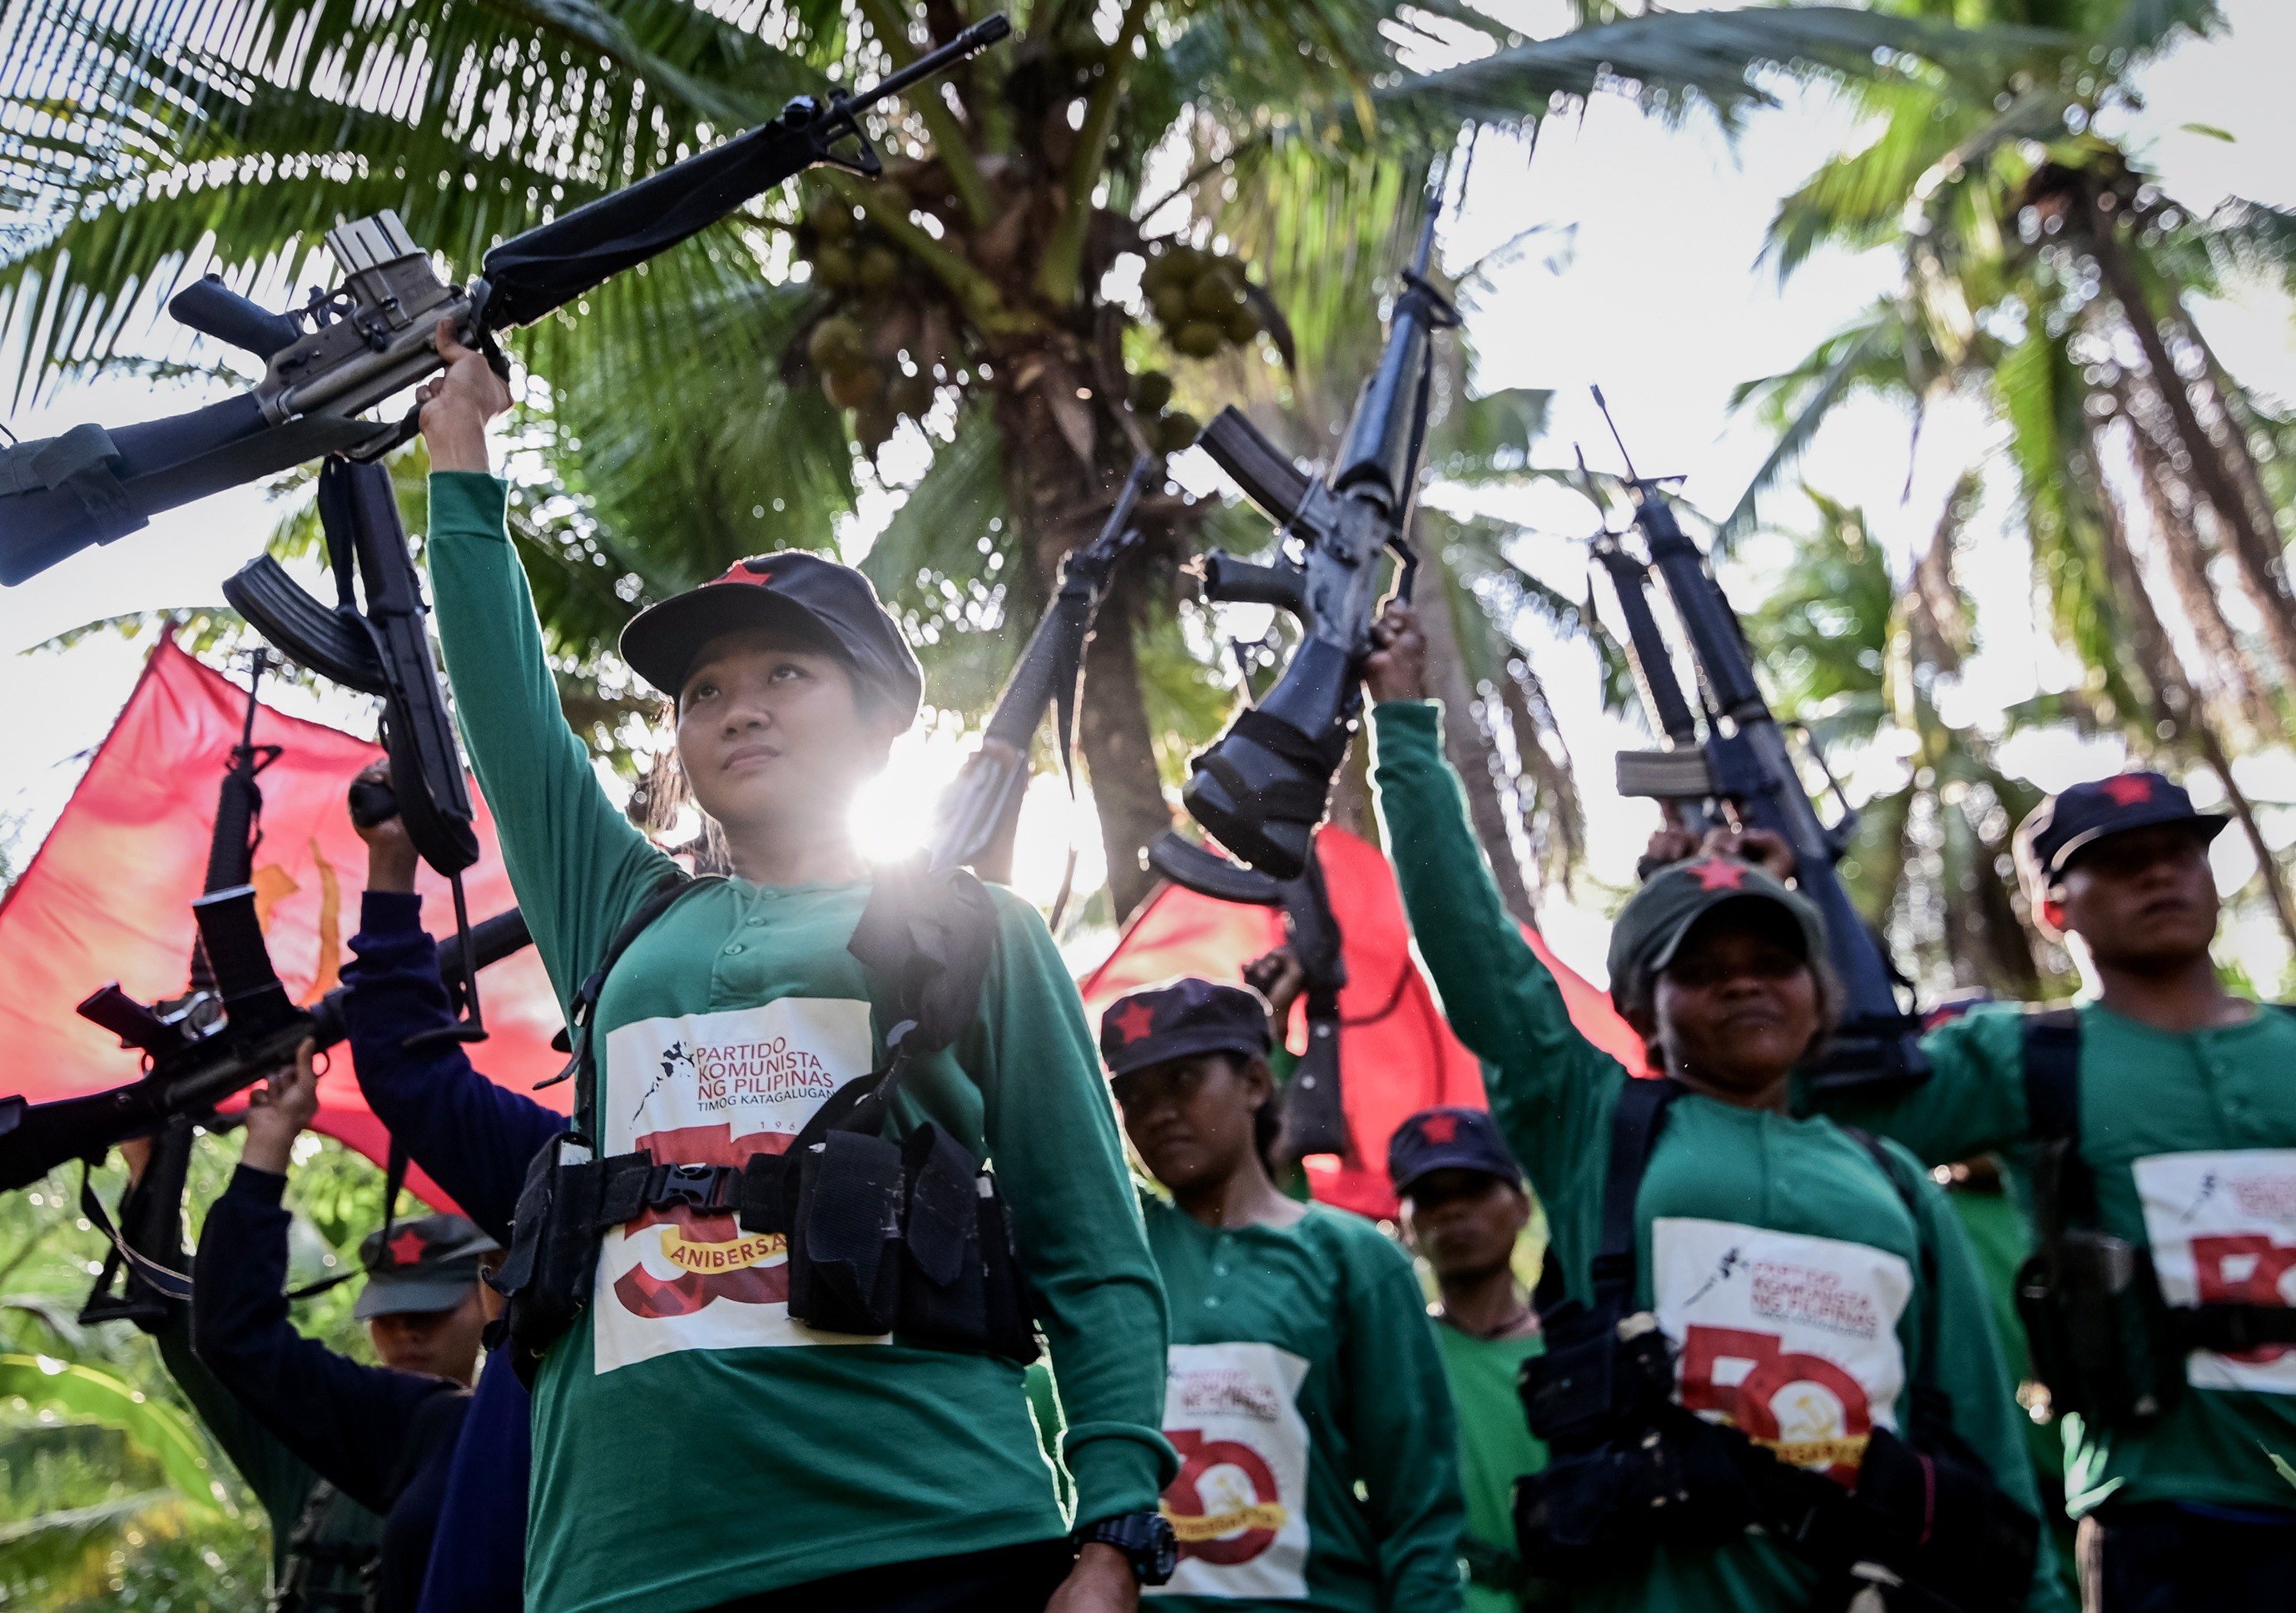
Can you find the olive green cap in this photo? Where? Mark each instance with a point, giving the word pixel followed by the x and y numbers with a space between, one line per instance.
pixel 1650 928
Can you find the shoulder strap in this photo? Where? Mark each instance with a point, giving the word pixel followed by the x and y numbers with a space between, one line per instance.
pixel 580 1012
pixel 2061 1186
pixel 1635 1126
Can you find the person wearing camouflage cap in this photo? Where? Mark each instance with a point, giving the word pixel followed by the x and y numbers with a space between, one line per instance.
pixel 1306 1397
pixel 2163 1108
pixel 1736 1218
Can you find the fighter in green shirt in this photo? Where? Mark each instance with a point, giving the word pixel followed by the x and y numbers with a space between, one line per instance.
pixel 1319 1466
pixel 1465 1210
pixel 1784 1280
pixel 694 1445
pixel 2184 1138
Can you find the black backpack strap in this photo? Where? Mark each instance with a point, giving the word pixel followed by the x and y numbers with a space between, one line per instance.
pixel 1634 1125
pixel 2063 1190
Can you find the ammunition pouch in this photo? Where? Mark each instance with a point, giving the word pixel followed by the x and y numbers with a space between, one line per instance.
pixel 2101 1336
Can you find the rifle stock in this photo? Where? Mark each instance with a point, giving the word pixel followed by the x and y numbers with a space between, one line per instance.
pixel 344 352
pixel 1263 787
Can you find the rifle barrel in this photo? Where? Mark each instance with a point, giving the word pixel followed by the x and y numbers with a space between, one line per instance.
pixel 973 41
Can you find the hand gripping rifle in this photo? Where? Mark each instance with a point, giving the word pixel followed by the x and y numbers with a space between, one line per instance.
pixel 977 818
pixel 1732 756
pixel 347 350
pixel 1262 787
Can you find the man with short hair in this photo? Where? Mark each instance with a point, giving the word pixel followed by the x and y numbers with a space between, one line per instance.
pixel 2157 1122
pixel 1465 1210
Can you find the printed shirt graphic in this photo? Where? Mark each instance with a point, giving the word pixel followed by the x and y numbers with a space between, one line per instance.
pixel 2223 1230
pixel 1240 1503
pixel 713 1088
pixel 1790 1338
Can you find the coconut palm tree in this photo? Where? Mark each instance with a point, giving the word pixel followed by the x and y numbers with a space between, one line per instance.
pixel 1855 653
pixel 1042 284
pixel 2045 274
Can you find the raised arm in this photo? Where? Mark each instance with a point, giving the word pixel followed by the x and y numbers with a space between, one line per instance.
pixel 1052 1132
pixel 352 1423
pixel 578 866
pixel 1974 1101
pixel 473 1136
pixel 1551 1090
pixel 1405 1433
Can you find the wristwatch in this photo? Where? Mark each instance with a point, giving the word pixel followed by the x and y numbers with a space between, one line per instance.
pixel 1145 1539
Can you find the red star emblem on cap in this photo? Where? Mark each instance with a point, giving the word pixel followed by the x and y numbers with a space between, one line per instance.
pixel 407 1248
pixel 1133 1022
pixel 1439 1128
pixel 1720 873
pixel 2128 789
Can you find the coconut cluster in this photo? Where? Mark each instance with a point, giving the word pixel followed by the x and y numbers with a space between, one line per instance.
pixel 862 270
pixel 1202 300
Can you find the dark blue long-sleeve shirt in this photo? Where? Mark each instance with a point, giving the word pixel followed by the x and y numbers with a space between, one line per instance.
pixel 381 1437
pixel 475 1139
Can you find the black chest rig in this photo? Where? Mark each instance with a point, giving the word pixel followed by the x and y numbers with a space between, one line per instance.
pixel 1925 1530
pixel 902 1235
pixel 2104 1339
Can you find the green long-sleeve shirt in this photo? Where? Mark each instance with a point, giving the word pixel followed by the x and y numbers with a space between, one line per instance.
pixel 693 1443
pixel 2191 1140
pixel 1319 1461
pixel 1779 1259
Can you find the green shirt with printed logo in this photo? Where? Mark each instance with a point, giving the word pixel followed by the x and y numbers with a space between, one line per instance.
pixel 1772 1247
pixel 1304 1366
pixel 2216 1108
pixel 691 1444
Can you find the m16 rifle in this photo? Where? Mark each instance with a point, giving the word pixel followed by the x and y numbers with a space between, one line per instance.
pixel 347 350
pixel 1262 787
pixel 977 818
pixel 1729 760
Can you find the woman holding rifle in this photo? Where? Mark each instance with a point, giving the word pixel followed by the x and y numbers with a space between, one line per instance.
pixel 696 1444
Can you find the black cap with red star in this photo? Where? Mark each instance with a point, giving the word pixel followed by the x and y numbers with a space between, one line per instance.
pixel 427 1264
pixel 2080 817
pixel 1653 925
pixel 794 591
pixel 1180 1019
pixel 1448 1139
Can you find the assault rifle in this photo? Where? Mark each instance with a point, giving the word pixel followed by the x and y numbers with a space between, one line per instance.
pixel 147 1248
pixel 977 818
pixel 1729 759
pixel 1262 787
pixel 347 350
pixel 384 650
pixel 1314 1118
pixel 200 1051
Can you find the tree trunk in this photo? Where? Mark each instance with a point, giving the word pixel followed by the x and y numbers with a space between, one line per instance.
pixel 2256 557
pixel 2176 706
pixel 2186 558
pixel 1467 746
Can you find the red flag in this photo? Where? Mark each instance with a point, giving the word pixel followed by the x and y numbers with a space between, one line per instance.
pixel 107 896
pixel 1397 1056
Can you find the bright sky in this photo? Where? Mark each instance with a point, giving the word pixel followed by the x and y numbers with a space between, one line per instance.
pixel 1660 301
